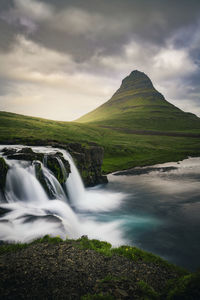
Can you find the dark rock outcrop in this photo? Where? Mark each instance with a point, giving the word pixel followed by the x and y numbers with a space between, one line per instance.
pixel 24 154
pixel 89 161
pixel 54 164
pixel 3 172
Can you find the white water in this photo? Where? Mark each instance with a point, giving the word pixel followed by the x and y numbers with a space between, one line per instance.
pixel 33 214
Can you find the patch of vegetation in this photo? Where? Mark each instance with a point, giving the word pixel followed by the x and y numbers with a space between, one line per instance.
pixel 6 248
pixel 132 253
pixel 48 239
pixel 146 291
pixel 97 297
pixel 99 246
pixel 110 277
pixel 185 288
pixel 137 254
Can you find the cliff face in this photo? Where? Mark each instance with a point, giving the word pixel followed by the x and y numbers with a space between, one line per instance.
pixel 88 160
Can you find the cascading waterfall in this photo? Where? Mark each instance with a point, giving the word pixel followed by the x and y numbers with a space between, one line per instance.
pixel 30 212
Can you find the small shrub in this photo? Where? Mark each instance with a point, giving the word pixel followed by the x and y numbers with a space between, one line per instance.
pixel 97 297
pixel 185 288
pixel 146 291
pixel 48 239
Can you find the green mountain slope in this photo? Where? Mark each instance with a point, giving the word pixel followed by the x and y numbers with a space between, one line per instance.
pixel 138 105
pixel 122 149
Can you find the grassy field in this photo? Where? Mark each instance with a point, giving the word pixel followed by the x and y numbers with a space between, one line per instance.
pixel 122 150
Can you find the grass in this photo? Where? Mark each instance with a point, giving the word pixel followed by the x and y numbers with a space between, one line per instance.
pixel 6 248
pixel 99 296
pixel 146 291
pixel 186 286
pixel 121 150
pixel 132 253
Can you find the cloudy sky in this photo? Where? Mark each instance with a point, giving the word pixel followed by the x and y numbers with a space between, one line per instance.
pixel 60 59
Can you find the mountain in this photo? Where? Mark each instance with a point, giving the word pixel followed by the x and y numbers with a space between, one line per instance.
pixel 138 105
pixel 136 127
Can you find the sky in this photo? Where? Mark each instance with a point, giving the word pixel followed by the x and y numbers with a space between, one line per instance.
pixel 60 59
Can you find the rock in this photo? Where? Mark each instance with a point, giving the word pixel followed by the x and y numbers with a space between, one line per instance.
pixel 26 150
pixel 9 151
pixel 40 176
pixel 89 161
pixel 24 154
pixel 54 163
pixel 3 172
pixel 4 211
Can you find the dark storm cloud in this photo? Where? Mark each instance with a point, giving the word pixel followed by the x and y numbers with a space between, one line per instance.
pixel 45 42
pixel 107 24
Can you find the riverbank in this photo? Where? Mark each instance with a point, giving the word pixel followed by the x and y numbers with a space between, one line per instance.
pixel 50 268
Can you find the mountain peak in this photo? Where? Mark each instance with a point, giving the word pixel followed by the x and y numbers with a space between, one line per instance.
pixel 138 105
pixel 136 80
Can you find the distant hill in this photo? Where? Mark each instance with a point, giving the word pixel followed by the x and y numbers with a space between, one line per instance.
pixel 138 105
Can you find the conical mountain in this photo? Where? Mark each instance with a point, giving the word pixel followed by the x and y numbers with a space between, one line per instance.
pixel 138 105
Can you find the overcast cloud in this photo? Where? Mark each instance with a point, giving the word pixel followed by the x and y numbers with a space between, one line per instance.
pixel 60 59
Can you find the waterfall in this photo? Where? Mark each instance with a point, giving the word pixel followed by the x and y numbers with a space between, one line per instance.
pixel 22 185
pixel 74 184
pixel 33 208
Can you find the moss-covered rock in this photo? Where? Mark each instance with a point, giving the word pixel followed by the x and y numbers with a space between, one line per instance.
pixel 89 161
pixel 43 181
pixel 185 288
pixel 3 172
pixel 55 163
pixel 24 154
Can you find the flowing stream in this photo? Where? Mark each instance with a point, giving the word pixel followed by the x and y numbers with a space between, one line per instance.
pixel 155 208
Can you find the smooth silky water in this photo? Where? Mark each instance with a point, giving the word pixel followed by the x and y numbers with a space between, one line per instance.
pixel 156 209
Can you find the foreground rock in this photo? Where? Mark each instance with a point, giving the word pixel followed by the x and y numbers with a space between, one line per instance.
pixel 67 270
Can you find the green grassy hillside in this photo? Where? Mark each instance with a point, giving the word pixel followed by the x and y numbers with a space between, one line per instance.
pixel 137 105
pixel 122 149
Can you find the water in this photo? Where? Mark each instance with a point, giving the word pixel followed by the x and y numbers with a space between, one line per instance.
pixel 161 214
pixel 156 209
pixel 33 214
